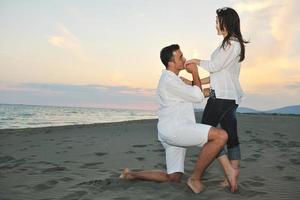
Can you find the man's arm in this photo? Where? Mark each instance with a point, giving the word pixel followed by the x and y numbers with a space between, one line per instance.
pixel 193 69
pixel 196 78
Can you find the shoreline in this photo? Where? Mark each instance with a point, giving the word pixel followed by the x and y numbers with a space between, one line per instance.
pixel 197 115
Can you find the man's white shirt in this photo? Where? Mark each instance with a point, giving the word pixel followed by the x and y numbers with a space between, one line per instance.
pixel 224 68
pixel 176 100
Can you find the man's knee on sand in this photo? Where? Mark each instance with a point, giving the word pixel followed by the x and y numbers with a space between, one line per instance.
pixel 175 177
pixel 218 134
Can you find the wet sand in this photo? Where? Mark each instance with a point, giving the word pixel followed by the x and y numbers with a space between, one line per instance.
pixel 84 162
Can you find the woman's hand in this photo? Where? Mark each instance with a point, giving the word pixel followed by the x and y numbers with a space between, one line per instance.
pixel 186 81
pixel 192 61
pixel 206 92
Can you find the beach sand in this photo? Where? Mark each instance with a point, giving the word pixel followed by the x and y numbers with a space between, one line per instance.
pixel 85 161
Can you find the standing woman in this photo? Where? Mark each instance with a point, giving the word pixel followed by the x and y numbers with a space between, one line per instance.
pixel 226 92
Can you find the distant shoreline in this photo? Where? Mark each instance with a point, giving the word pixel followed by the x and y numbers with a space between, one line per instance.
pixel 137 121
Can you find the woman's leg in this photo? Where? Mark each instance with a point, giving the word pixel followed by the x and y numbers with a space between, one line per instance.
pixel 212 115
pixel 229 123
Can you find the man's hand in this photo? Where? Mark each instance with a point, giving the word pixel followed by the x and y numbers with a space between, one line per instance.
pixel 186 81
pixel 206 92
pixel 191 68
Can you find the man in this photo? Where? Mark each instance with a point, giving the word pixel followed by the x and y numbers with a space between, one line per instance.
pixel 178 129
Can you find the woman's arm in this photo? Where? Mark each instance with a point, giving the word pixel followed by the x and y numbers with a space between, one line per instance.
pixel 219 61
pixel 205 80
pixel 186 81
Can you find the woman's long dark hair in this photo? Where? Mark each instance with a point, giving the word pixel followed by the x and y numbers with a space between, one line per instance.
pixel 230 20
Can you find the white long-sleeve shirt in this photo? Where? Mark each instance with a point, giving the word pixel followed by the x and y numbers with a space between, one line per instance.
pixel 176 100
pixel 224 68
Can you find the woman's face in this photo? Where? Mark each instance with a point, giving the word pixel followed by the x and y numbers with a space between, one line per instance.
pixel 219 31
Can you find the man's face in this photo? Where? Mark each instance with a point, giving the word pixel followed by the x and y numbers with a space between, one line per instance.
pixel 178 59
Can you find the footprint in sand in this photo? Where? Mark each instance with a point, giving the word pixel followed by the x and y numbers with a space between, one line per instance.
pixel 9 162
pixel 256 155
pixel 48 131
pixel 44 186
pixel 280 135
pixel 250 160
pixel 280 168
pixel 160 165
pixel 253 182
pixel 158 150
pixel 55 169
pixel 293 144
pixel 121 198
pixel 257 178
pixel 289 178
pixel 100 153
pixel 91 165
pixel 140 158
pixel 253 158
pixel 139 145
pixel 74 195
pixel 278 143
pixel 130 152
pixel 295 161
pixel 4 159
pixel 66 179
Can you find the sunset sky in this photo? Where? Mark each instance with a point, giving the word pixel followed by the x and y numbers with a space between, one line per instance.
pixel 106 53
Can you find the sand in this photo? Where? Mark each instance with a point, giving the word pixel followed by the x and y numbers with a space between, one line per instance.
pixel 84 162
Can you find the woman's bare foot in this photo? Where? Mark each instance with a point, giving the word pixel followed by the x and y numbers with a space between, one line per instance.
pixel 195 185
pixel 232 179
pixel 126 174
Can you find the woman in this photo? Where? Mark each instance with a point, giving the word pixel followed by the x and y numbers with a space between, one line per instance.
pixel 224 68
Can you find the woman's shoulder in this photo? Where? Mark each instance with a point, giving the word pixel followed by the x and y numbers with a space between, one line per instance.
pixel 234 43
pixel 230 44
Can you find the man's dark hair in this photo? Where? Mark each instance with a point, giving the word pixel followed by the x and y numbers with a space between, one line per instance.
pixel 167 52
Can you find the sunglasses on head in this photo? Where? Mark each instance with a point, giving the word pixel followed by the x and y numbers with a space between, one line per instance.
pixel 220 9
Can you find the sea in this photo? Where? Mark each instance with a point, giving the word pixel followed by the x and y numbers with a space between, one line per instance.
pixel 16 116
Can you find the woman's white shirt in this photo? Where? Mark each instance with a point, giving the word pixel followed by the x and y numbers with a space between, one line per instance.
pixel 224 68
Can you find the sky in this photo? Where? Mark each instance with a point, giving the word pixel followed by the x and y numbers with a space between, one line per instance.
pixel 106 53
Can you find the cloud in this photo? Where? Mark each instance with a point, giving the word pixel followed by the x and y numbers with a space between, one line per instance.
pixel 124 97
pixel 69 42
pixel 253 6
pixel 272 58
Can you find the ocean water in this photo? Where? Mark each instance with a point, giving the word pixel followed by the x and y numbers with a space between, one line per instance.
pixel 27 116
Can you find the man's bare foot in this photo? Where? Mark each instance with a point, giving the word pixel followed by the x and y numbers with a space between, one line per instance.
pixel 232 179
pixel 126 174
pixel 195 185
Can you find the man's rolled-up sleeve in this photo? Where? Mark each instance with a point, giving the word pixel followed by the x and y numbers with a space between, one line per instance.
pixel 185 92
